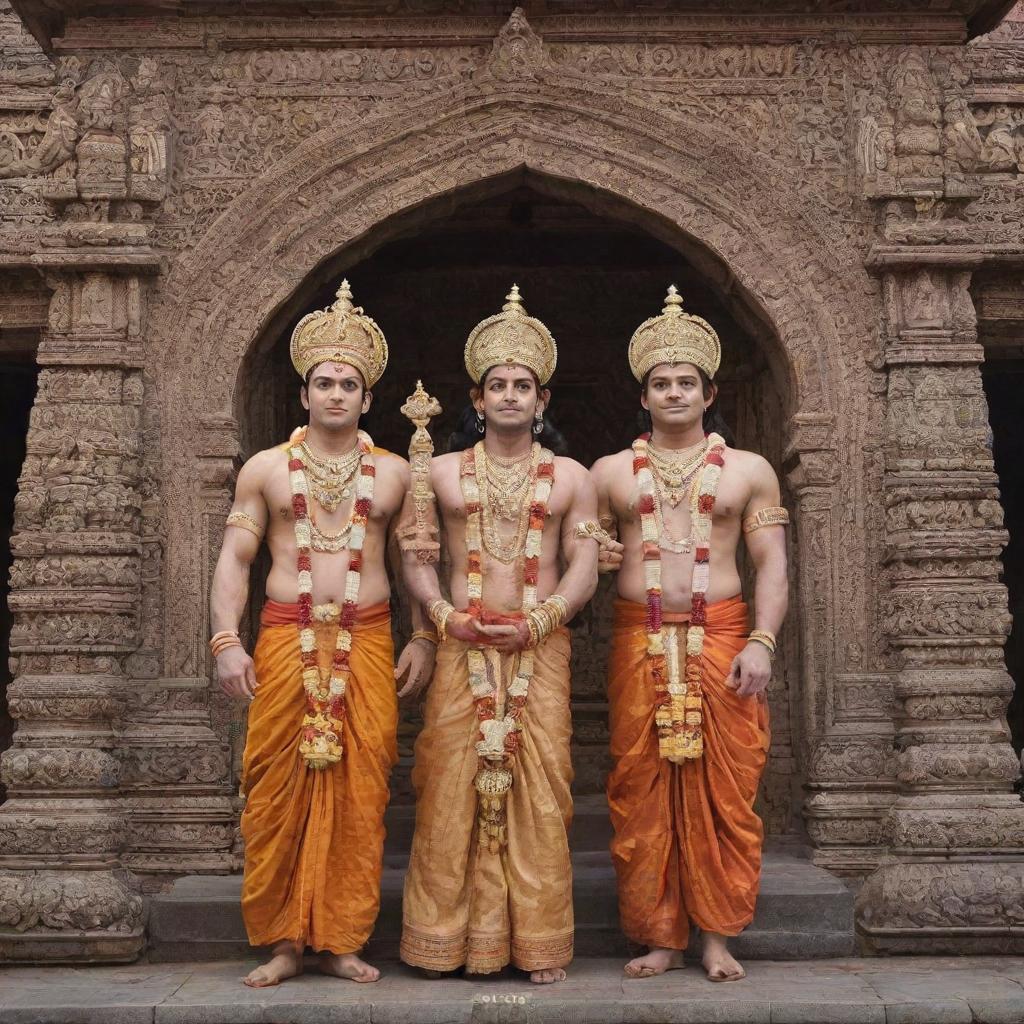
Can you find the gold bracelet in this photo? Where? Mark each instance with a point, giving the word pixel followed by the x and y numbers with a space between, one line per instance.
pixel 439 610
pixel 246 522
pixel 546 618
pixel 223 640
pixel 589 530
pixel 423 634
pixel 762 636
pixel 776 516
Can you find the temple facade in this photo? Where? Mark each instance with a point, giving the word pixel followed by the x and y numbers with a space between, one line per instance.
pixel 837 187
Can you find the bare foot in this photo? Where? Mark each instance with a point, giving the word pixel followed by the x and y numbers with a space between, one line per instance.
pixel 720 964
pixel 547 977
pixel 657 961
pixel 285 963
pixel 348 966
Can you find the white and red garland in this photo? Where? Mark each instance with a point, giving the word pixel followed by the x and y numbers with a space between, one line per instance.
pixel 678 702
pixel 320 741
pixel 499 728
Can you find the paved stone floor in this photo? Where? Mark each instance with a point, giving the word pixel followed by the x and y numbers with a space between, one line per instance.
pixel 955 990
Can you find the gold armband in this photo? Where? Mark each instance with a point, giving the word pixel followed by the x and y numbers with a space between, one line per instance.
pixel 766 517
pixel 589 530
pixel 246 522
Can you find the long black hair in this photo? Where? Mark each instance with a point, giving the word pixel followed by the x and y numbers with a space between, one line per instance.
pixel 714 422
pixel 467 433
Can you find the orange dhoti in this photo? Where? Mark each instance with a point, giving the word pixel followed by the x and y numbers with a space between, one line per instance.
pixel 463 903
pixel 314 839
pixel 687 843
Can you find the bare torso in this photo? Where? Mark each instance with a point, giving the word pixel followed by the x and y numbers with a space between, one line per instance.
pixel 329 569
pixel 618 491
pixel 502 583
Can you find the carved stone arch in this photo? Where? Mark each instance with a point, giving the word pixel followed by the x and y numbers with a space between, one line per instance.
pixel 760 241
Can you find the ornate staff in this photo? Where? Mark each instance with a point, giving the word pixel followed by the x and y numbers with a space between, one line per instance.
pixel 420 536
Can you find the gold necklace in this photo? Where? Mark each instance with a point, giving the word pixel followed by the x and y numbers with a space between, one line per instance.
pixel 676 469
pixel 507 486
pixel 680 545
pixel 510 501
pixel 330 480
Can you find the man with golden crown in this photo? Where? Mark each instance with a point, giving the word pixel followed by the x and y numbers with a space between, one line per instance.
pixel 490 880
pixel 323 715
pixel 687 675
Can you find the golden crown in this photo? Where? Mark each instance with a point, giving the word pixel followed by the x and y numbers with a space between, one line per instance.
pixel 511 338
pixel 340 334
pixel 674 337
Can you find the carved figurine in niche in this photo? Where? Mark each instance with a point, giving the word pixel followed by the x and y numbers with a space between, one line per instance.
pixel 1001 151
pixel 915 102
pixel 963 141
pixel 60 137
pixel 315 768
pixel 924 302
pixel 687 674
pixel 102 152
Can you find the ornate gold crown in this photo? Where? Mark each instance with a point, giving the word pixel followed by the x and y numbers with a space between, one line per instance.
pixel 340 334
pixel 674 337
pixel 511 338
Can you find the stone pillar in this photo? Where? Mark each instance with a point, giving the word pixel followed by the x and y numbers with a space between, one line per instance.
pixel 76 586
pixel 849 772
pixel 954 880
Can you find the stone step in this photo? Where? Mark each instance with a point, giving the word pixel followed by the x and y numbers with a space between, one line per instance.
pixel 803 911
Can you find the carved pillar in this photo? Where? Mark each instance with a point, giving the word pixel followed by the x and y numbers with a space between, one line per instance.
pixel 955 878
pixel 849 773
pixel 75 597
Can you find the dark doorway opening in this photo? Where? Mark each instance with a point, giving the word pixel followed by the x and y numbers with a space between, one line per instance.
pixel 18 381
pixel 593 270
pixel 1004 379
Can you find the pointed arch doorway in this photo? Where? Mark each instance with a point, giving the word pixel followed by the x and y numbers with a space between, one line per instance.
pixel 592 269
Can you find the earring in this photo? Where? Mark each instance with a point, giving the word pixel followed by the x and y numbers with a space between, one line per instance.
pixel 480 426
pixel 538 424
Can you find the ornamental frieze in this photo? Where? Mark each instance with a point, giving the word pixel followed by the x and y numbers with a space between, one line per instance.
pixel 24 833
pixel 954 707
pixel 67 900
pixel 74 571
pixel 42 630
pixel 68 769
pixel 904 511
pixel 846 760
pixel 944 896
pixel 972 613
pixel 184 764
pixel 970 765
pixel 989 827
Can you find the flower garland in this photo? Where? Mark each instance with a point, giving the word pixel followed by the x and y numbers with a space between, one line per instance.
pixel 321 733
pixel 678 703
pixel 499 727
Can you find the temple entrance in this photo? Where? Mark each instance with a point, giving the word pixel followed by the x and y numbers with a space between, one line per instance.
pixel 592 275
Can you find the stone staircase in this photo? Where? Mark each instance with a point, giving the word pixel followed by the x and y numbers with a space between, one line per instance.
pixel 803 911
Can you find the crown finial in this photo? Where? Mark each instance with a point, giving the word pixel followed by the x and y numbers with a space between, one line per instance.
pixel 344 303
pixel 513 301
pixel 673 301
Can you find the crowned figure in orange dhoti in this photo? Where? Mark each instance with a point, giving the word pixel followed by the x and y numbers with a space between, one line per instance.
pixel 687 674
pixel 322 720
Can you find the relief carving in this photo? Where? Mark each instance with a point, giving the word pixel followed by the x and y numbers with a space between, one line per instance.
pixel 54 901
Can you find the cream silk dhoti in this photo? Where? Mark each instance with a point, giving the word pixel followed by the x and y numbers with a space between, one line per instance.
pixel 466 905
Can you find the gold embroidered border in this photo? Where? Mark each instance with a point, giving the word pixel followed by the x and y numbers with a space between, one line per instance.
pixel 542 953
pixel 433 952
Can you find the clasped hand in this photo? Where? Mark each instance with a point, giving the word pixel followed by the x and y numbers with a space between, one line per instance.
pixel 236 673
pixel 509 636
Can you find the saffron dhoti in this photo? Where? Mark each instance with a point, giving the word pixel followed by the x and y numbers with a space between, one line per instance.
pixel 314 838
pixel 687 845
pixel 464 904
